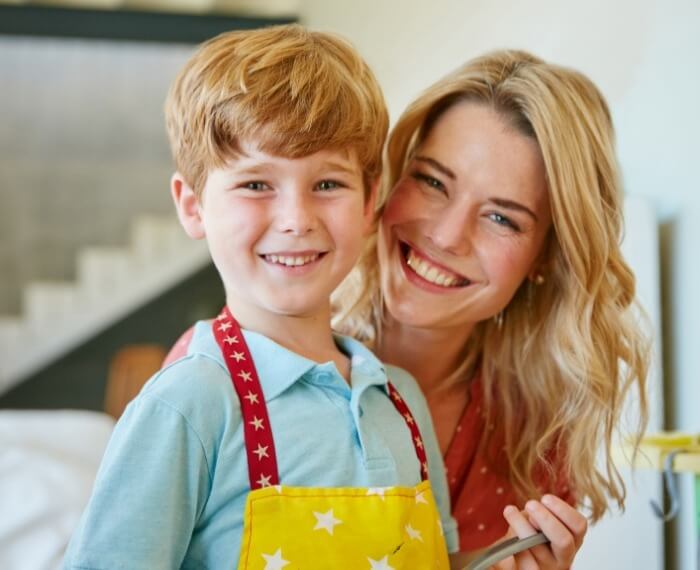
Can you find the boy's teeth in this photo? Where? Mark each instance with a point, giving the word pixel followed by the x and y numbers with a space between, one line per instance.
pixel 291 260
pixel 429 272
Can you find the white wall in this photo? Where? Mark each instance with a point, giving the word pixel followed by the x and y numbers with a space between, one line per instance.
pixel 645 56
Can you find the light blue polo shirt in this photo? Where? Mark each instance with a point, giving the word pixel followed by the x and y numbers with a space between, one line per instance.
pixel 172 486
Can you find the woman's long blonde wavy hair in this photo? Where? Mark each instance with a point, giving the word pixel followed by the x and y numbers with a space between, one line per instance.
pixel 566 353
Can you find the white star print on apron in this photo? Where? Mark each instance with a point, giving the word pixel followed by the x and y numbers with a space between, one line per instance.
pixel 387 528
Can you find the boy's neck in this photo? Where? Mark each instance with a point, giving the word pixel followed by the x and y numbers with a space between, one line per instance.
pixel 309 336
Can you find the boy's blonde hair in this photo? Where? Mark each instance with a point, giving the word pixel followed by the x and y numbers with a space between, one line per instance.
pixel 557 369
pixel 292 90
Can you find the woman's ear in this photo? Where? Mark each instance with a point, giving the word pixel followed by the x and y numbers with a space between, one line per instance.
pixel 542 266
pixel 370 204
pixel 188 206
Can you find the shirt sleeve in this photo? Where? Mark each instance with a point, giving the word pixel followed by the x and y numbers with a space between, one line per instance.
pixel 151 487
pixel 179 349
pixel 412 393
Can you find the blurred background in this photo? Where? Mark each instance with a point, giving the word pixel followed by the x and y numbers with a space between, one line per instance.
pixel 91 258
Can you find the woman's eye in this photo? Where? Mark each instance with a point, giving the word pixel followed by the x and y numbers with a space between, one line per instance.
pixel 503 221
pixel 326 185
pixel 429 181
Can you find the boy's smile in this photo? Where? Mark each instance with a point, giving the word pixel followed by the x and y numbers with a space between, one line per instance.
pixel 283 232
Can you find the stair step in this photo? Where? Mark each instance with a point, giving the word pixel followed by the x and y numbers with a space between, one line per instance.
pixel 156 237
pixel 111 281
pixel 13 331
pixel 101 271
pixel 47 302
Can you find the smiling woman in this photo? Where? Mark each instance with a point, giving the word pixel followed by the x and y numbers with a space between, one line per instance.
pixel 497 280
pixel 465 223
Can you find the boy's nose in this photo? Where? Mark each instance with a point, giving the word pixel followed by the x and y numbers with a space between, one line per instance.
pixel 297 215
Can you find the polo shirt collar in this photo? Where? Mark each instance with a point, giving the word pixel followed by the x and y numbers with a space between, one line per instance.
pixel 279 368
pixel 365 369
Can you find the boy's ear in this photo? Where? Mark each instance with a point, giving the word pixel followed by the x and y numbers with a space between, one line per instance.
pixel 187 206
pixel 370 205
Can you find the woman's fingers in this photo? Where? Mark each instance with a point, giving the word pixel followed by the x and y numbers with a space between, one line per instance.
pixel 564 541
pixel 574 520
pixel 536 558
pixel 563 525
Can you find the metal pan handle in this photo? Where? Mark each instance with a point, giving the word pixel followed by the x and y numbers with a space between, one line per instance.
pixel 505 549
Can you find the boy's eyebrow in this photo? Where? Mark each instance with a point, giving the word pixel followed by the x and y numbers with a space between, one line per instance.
pixel 344 166
pixel 260 167
pixel 436 165
pixel 256 168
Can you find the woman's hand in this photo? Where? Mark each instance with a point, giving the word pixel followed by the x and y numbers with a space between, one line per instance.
pixel 563 525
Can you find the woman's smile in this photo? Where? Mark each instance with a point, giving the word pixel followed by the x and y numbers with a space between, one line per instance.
pixel 423 270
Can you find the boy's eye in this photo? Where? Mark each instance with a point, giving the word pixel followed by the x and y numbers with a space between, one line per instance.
pixel 428 180
pixel 255 185
pixel 326 185
pixel 502 220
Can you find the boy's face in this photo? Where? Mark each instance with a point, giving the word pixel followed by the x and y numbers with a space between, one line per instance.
pixel 282 232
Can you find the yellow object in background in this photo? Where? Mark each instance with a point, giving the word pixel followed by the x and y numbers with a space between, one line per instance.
pixel 671 440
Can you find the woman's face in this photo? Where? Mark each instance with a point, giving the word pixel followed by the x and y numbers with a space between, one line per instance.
pixel 465 224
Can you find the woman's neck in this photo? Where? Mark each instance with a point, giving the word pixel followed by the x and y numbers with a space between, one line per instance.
pixel 430 355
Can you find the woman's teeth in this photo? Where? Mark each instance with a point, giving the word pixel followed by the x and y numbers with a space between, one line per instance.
pixel 291 260
pixel 430 272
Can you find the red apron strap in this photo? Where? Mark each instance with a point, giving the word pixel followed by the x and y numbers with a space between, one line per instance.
pixel 259 444
pixel 402 408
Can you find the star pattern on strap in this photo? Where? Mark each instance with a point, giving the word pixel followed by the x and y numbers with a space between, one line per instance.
pixel 257 423
pixel 231 339
pixel 264 481
pixel 261 451
pixel 245 376
pixel 252 398
pixel 417 440
pixel 238 356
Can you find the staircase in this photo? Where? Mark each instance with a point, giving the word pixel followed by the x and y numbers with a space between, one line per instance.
pixel 110 283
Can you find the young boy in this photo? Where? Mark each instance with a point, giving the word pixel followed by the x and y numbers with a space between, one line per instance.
pixel 278 445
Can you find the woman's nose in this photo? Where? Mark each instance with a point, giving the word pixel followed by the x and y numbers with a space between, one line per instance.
pixel 451 231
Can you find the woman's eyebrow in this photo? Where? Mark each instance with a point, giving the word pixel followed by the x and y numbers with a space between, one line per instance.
pixel 436 165
pixel 511 205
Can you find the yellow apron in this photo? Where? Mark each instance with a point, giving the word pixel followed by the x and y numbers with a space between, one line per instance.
pixel 325 528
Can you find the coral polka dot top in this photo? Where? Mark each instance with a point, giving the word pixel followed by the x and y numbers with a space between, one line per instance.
pixel 478 492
